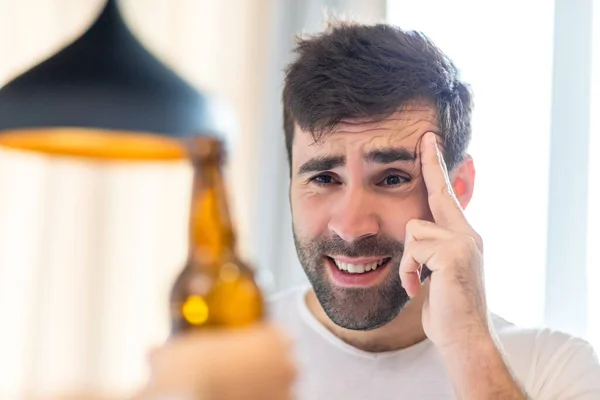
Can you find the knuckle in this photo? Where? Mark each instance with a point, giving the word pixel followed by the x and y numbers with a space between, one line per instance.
pixel 464 243
pixel 443 192
pixel 468 245
pixel 415 223
pixel 478 240
pixel 412 224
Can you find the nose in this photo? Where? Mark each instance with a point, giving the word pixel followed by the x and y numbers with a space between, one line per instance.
pixel 354 217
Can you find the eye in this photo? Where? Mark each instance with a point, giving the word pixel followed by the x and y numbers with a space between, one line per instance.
pixel 323 180
pixel 394 180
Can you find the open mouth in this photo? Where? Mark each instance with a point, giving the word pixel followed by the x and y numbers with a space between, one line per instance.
pixel 359 268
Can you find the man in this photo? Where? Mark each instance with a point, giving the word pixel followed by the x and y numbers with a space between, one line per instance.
pixel 377 124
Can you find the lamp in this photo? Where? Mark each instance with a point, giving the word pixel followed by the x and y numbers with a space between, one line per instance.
pixel 104 96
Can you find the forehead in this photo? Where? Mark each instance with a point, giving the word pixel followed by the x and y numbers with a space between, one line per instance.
pixel 401 129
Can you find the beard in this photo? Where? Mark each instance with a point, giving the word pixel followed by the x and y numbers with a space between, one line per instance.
pixel 356 308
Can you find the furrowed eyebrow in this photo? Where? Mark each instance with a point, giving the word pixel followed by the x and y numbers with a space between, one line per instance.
pixel 390 155
pixel 322 163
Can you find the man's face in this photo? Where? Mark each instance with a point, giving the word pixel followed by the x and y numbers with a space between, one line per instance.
pixel 351 195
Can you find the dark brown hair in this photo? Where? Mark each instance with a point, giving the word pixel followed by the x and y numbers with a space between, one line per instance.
pixel 356 71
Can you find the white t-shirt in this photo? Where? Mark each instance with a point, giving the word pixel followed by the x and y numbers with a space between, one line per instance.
pixel 548 364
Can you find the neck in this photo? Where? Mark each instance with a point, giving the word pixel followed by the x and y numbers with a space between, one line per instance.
pixel 211 232
pixel 404 331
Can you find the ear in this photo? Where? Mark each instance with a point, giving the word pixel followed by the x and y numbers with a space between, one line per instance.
pixel 463 181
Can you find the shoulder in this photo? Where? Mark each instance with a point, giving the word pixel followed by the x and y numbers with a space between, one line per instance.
pixel 541 342
pixel 549 363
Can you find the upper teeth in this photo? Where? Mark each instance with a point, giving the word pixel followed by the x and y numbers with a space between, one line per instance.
pixel 358 268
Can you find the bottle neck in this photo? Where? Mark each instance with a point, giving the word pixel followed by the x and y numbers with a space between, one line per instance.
pixel 211 233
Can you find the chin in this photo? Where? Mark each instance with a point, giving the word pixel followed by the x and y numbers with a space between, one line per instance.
pixel 359 308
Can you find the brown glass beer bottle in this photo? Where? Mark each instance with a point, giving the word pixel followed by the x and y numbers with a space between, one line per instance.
pixel 215 289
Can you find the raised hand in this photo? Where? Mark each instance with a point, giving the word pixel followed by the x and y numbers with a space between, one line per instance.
pixel 455 315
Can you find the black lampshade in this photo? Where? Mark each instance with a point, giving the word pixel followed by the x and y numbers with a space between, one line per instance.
pixel 106 79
